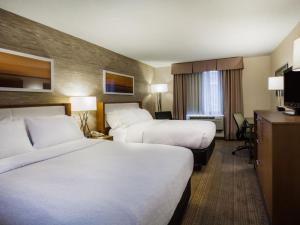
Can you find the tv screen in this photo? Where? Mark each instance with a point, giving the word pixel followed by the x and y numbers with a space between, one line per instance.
pixel 292 88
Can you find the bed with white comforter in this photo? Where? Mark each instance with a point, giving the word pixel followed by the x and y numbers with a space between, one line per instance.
pixel 62 178
pixel 189 134
pixel 93 182
pixel 137 125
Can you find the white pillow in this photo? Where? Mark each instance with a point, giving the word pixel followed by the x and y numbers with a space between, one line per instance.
pixel 127 117
pixel 144 115
pixel 52 130
pixel 13 139
pixel 5 115
pixel 113 119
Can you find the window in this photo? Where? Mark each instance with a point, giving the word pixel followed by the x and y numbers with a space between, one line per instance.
pixel 205 93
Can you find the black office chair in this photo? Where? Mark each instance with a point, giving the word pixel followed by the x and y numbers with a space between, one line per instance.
pixel 166 115
pixel 244 132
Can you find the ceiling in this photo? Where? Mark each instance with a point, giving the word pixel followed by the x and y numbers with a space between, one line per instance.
pixel 161 32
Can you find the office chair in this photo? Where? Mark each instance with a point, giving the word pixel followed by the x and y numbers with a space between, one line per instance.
pixel 167 115
pixel 244 132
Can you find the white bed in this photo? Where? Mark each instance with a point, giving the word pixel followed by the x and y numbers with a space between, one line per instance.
pixel 125 126
pixel 87 181
pixel 189 134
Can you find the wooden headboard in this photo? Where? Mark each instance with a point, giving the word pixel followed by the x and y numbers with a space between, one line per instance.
pixel 102 108
pixel 36 109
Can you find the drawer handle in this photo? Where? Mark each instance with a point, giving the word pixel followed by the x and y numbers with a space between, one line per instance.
pixel 257 162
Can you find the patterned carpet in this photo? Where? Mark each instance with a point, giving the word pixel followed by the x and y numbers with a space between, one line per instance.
pixel 226 191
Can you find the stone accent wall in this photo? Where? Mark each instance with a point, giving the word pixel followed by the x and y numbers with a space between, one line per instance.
pixel 78 64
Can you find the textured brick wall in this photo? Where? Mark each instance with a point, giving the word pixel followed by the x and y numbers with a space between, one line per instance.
pixel 78 64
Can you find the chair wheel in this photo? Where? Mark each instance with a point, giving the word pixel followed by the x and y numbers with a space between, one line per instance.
pixel 233 153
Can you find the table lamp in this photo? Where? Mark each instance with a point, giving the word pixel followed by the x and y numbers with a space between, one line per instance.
pixel 83 105
pixel 158 89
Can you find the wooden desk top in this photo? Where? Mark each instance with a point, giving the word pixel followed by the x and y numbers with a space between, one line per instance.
pixel 278 117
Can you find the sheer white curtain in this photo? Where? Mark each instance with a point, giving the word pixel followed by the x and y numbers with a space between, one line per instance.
pixel 205 93
pixel 212 93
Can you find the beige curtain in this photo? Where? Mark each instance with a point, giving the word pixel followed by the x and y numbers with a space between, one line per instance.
pixel 193 82
pixel 186 68
pixel 233 100
pixel 180 96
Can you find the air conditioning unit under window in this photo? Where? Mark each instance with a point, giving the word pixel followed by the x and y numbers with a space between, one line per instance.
pixel 218 120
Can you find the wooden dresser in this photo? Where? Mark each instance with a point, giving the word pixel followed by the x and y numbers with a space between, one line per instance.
pixel 278 165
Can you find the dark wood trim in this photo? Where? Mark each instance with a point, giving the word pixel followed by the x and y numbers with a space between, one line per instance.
pixel 111 102
pixel 66 105
pixel 100 115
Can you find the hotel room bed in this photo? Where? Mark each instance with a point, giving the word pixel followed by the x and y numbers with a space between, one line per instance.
pixel 93 182
pixel 87 181
pixel 126 122
pixel 189 134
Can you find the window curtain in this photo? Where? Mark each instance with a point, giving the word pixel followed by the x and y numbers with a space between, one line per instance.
pixel 205 93
pixel 231 69
pixel 194 93
pixel 212 93
pixel 180 96
pixel 233 100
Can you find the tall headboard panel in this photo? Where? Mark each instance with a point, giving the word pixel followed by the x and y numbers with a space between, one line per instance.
pixel 105 107
pixel 21 111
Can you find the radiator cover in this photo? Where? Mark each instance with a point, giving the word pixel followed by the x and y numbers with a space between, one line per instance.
pixel 218 120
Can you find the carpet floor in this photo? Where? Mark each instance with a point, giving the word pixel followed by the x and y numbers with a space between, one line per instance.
pixel 226 191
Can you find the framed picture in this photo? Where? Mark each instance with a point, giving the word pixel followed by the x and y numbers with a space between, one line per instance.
pixel 25 72
pixel 117 83
pixel 281 70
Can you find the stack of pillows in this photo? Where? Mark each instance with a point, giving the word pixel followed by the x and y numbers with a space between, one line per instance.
pixel 127 117
pixel 18 136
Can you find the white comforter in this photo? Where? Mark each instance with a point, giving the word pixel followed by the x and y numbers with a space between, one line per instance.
pixel 185 133
pixel 94 182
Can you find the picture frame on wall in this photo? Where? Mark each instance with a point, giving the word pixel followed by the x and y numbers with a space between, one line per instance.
pixel 117 83
pixel 280 71
pixel 25 72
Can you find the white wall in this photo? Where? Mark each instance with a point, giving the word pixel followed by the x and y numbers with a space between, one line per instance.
pixel 283 54
pixel 163 75
pixel 255 84
pixel 255 76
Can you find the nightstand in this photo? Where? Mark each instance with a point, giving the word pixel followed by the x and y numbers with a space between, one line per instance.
pixel 105 137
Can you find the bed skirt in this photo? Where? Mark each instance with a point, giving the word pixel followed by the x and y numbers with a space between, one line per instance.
pixel 201 156
pixel 182 205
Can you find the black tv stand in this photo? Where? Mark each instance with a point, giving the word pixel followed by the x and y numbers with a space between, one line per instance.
pixel 295 112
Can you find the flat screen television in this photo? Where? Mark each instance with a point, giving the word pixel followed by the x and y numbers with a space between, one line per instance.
pixel 292 90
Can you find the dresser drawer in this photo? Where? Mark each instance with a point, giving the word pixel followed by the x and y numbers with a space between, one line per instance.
pixel 264 160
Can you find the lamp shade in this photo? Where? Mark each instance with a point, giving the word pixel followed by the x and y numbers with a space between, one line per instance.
pixel 159 88
pixel 83 103
pixel 296 55
pixel 275 83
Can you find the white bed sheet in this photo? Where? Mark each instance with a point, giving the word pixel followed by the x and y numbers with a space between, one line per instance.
pixel 94 182
pixel 186 133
